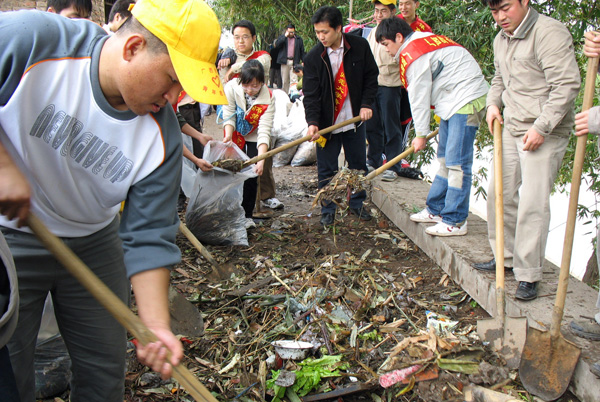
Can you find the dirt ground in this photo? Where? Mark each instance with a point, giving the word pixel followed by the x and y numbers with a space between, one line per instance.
pixel 361 291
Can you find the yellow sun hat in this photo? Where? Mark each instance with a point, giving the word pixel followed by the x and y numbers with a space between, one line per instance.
pixel 386 2
pixel 191 31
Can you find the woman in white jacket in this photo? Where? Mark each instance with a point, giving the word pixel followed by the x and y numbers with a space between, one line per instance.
pixel 248 119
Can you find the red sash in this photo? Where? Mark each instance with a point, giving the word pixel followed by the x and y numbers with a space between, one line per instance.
pixel 253 56
pixel 253 117
pixel 418 48
pixel 341 91
pixel 418 25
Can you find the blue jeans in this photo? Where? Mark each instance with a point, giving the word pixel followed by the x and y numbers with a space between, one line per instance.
pixel 451 188
pixel 327 162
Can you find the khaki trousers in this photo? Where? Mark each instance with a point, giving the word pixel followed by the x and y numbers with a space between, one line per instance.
pixel 528 178
pixel 287 75
pixel 267 181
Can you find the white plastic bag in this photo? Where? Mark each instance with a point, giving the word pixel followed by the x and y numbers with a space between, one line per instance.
pixel 188 174
pixel 305 155
pixel 295 128
pixel 214 213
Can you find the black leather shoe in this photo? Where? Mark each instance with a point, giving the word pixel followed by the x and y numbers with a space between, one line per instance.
pixel 489 266
pixel 327 219
pixel 362 214
pixel 526 291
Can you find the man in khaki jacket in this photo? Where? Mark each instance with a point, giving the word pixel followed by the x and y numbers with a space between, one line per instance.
pixel 536 82
pixel 384 130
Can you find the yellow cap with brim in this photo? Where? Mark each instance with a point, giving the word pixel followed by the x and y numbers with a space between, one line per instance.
pixel 386 2
pixel 191 31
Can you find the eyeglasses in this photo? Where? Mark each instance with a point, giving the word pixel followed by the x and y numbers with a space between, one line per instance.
pixel 243 38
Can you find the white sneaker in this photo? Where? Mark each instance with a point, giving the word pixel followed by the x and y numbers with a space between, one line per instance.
pixel 250 223
pixel 273 203
pixel 370 168
pixel 443 229
pixel 389 175
pixel 425 217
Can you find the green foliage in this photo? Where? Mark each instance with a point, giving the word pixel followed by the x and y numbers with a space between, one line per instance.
pixel 468 22
pixel 310 374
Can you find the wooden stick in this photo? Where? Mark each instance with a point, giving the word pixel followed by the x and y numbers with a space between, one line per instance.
pixel 196 243
pixel 398 158
pixel 563 278
pixel 298 142
pixel 112 303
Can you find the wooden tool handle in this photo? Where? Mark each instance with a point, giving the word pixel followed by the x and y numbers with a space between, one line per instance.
pixel 398 158
pixel 499 205
pixel 298 142
pixel 565 264
pixel 112 303
pixel 196 243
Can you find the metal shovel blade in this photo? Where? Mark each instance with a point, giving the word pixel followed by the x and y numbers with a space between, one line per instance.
pixel 547 364
pixel 506 336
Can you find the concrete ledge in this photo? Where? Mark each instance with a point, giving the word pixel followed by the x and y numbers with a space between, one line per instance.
pixel 455 256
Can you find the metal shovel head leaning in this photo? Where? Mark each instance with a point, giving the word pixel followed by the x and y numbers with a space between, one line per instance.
pixel 547 364
pixel 506 336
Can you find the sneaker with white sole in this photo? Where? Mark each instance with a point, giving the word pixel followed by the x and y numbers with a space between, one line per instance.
pixel 425 217
pixel 389 175
pixel 273 203
pixel 443 229
pixel 249 224
pixel 370 168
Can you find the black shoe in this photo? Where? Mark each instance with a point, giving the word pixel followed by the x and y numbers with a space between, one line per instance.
pixel 526 291
pixel 362 214
pixel 489 266
pixel 327 218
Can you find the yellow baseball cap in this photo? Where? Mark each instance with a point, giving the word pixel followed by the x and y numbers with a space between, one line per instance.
pixel 386 2
pixel 191 31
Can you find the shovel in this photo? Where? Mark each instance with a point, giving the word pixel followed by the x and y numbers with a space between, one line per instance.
pixel 219 271
pixel 112 303
pixel 549 359
pixel 398 158
pixel 298 142
pixel 505 334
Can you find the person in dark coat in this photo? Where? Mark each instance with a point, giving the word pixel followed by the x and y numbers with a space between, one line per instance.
pixel 290 51
pixel 340 82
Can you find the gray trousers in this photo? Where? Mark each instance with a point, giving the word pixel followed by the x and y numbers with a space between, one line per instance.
pixel 96 342
pixel 528 178
pixel 287 74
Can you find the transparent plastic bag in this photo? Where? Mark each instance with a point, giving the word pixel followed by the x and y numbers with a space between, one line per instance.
pixel 214 213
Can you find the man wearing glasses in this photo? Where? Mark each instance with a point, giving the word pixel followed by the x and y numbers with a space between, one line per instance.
pixel 244 36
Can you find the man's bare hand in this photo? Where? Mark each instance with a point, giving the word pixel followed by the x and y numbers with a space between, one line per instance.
pixel 224 63
pixel 591 47
pixel 365 113
pixel 493 113
pixel 419 143
pixel 313 131
pixel 532 140
pixel 204 165
pixel 581 123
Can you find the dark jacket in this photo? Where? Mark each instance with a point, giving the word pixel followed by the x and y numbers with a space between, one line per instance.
pixel 281 46
pixel 361 77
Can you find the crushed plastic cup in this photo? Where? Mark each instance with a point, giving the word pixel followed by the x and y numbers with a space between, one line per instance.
pixel 440 323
